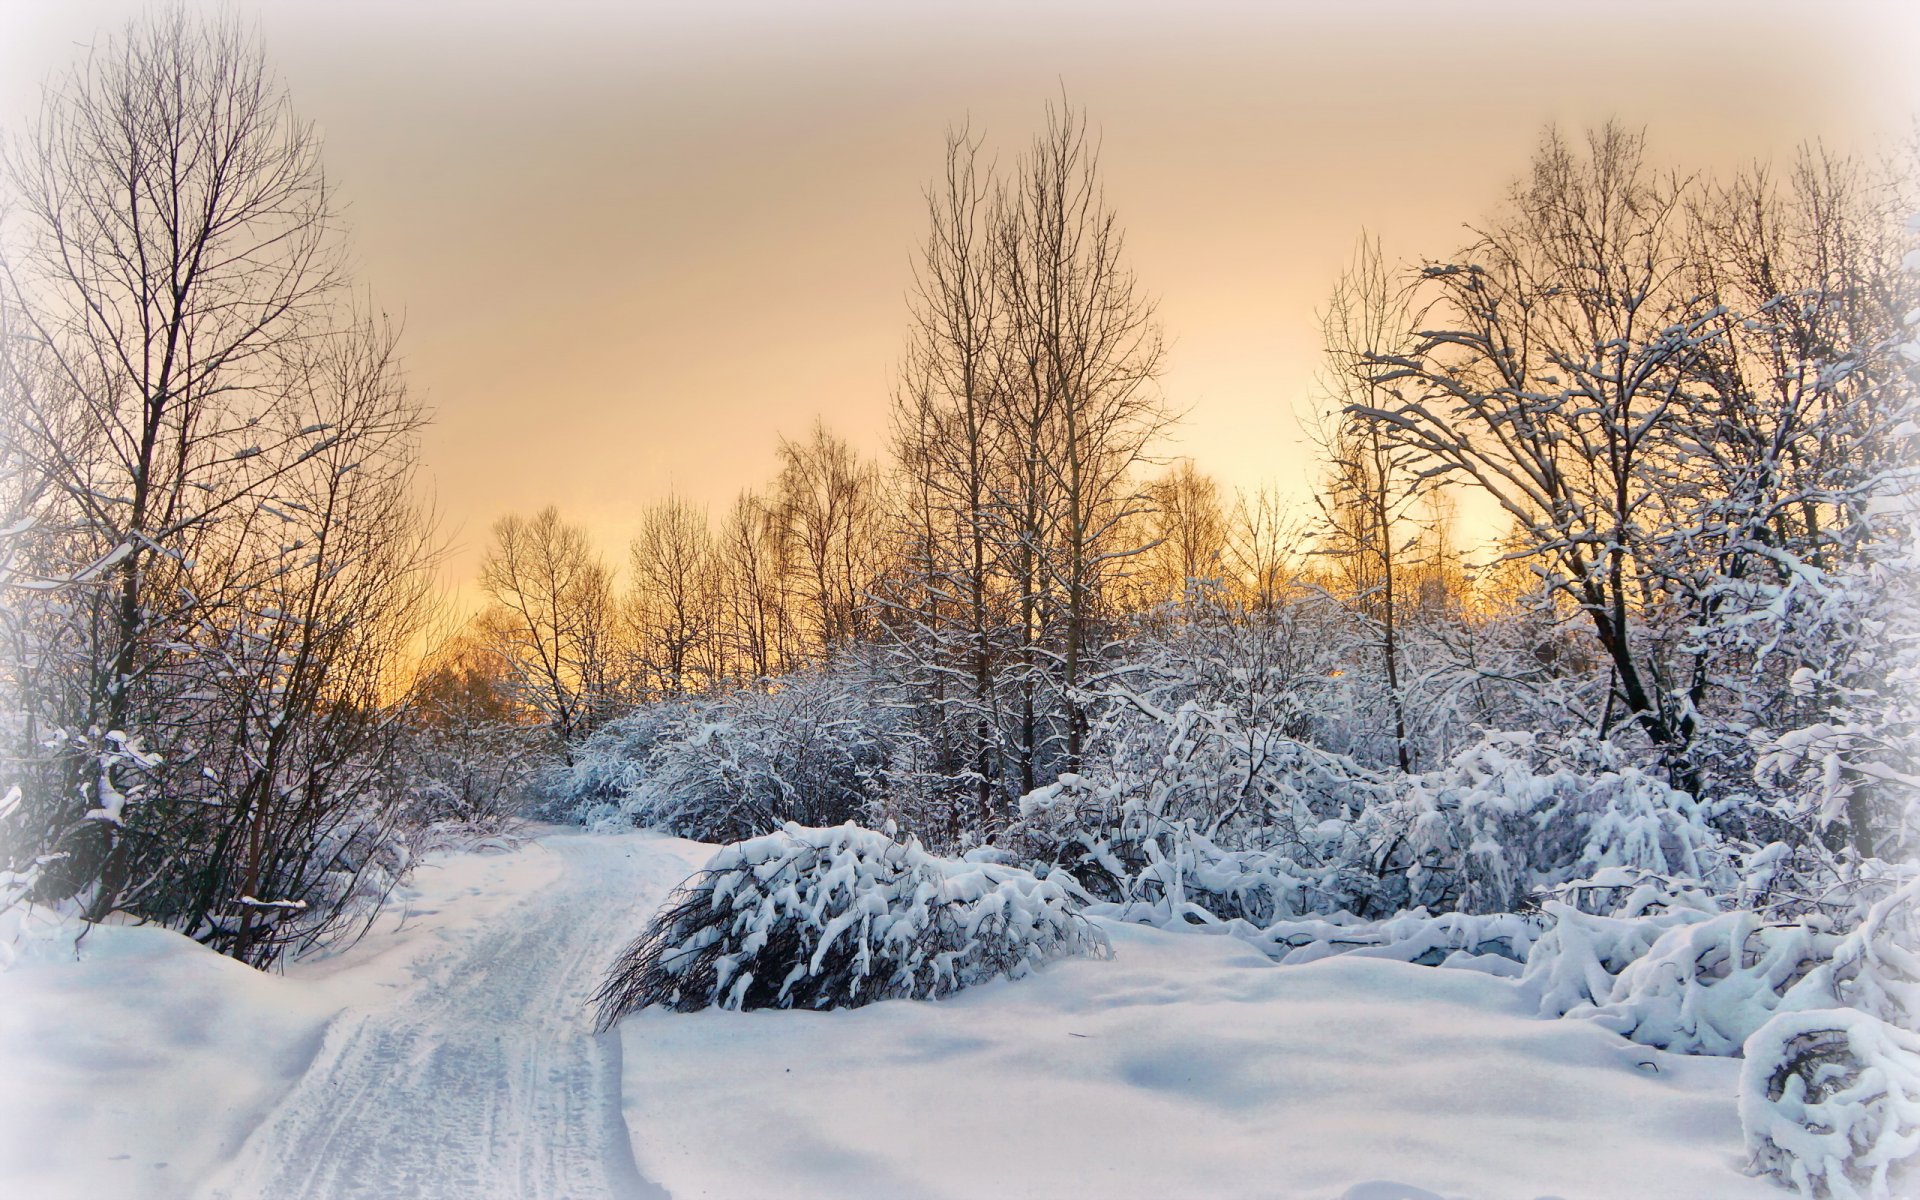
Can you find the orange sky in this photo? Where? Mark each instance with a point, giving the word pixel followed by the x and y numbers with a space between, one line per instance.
pixel 633 242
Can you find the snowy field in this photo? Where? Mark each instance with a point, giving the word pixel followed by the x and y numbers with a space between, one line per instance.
pixel 450 1053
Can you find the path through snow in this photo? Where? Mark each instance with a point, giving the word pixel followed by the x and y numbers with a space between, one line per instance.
pixel 485 1079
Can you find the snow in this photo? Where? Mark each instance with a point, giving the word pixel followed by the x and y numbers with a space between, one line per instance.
pixel 130 1072
pixel 1184 1066
pixel 451 1053
pixel 448 1053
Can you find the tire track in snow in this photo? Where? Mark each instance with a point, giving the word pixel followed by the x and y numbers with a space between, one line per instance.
pixel 485 1082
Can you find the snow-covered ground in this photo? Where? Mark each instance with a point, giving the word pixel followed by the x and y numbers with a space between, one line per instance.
pixel 1187 1065
pixel 450 1054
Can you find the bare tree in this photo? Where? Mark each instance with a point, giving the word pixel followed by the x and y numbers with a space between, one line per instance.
pixel 552 621
pixel 759 640
pixel 312 650
pixel 1186 534
pixel 950 608
pixel 1027 399
pixel 471 743
pixel 1262 548
pixel 829 506
pixel 1080 401
pixel 671 597
pixel 221 455
pixel 1373 483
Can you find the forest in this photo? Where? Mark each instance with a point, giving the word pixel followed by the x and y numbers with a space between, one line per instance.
pixel 1592 663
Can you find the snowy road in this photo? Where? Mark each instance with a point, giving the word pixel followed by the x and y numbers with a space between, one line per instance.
pixel 485 1079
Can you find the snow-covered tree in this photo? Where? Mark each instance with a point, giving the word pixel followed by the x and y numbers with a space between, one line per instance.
pixel 1679 395
pixel 220 565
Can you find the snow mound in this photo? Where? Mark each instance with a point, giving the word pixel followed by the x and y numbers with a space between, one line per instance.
pixel 837 918
pixel 1830 1104
pixel 136 1060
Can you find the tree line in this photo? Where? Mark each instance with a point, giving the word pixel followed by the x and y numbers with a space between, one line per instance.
pixel 1681 393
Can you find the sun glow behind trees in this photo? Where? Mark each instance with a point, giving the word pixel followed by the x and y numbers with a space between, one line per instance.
pixel 1673 389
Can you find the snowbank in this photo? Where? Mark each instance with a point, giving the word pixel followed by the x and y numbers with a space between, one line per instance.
pixel 1184 1066
pixel 131 1072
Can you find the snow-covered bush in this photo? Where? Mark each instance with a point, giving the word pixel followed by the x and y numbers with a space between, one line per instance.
pixel 1129 840
pixel 1876 967
pixel 1628 893
pixel 815 751
pixel 1496 943
pixel 1520 820
pixel 1576 962
pixel 469 754
pixel 366 861
pixel 1505 825
pixel 1192 805
pixel 1704 987
pixel 837 918
pixel 472 778
pixel 1667 969
pixel 1448 866
pixel 593 785
pixel 1598 927
pixel 1830 1104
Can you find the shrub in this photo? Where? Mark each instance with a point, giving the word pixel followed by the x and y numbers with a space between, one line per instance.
pixel 1496 943
pixel 837 918
pixel 1705 987
pixel 1830 1104
pixel 1502 827
pixel 1597 928
pixel 594 786
pixel 1876 968
pixel 815 751
pixel 1519 820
